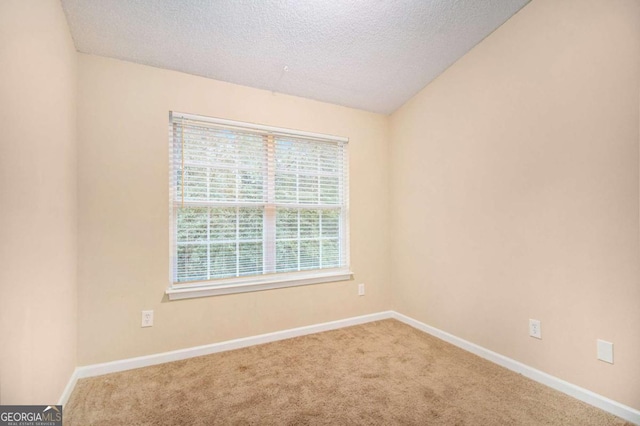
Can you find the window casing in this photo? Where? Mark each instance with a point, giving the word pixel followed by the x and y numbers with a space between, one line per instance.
pixel 255 207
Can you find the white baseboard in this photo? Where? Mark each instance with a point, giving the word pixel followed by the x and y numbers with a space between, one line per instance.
pixel 148 360
pixel 592 398
pixel 71 384
pixel 630 414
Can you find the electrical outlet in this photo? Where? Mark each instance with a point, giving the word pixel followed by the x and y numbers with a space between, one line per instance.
pixel 147 318
pixel 361 289
pixel 534 328
pixel 605 351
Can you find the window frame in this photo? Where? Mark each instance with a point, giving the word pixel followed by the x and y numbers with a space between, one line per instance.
pixel 264 281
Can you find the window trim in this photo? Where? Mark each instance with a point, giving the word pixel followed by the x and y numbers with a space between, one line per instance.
pixel 270 281
pixel 275 130
pixel 256 283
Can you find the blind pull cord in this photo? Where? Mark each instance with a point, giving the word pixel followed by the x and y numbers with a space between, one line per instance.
pixel 182 143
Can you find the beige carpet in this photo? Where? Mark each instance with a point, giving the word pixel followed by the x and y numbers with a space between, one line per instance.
pixel 381 373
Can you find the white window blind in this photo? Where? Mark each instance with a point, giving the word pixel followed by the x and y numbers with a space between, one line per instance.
pixel 252 204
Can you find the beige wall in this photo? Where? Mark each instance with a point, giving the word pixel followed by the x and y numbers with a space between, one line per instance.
pixel 514 186
pixel 124 223
pixel 38 202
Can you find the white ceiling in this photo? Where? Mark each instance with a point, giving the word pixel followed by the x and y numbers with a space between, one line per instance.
pixel 367 54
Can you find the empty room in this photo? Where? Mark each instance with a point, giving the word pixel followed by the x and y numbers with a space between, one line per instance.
pixel 411 212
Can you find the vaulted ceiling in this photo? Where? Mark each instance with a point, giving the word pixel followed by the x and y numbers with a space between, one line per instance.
pixel 367 54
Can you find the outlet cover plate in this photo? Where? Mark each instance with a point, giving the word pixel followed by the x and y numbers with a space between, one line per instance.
pixel 535 329
pixel 147 319
pixel 361 289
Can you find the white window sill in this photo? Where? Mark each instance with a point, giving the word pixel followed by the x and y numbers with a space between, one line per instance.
pixel 244 285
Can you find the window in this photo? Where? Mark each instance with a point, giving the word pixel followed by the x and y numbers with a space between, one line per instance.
pixel 255 207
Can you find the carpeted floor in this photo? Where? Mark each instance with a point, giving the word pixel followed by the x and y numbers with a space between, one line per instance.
pixel 381 373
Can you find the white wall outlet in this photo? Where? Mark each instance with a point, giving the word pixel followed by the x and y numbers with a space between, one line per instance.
pixel 361 289
pixel 534 328
pixel 147 318
pixel 605 351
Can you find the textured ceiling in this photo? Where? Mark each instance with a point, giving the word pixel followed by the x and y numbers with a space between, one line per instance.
pixel 367 54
